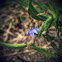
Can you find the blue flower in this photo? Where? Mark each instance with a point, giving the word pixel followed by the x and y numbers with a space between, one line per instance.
pixel 32 31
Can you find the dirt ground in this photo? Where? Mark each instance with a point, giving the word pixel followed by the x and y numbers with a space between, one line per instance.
pixel 13 30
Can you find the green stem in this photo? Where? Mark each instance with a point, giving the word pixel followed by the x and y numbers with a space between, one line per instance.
pixel 36 24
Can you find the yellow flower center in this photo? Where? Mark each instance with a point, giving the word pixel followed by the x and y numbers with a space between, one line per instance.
pixel 29 27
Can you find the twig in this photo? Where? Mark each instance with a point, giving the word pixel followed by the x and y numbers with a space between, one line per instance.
pixel 18 53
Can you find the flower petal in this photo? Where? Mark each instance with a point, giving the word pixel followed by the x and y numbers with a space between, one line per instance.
pixel 32 28
pixel 28 32
pixel 32 34
pixel 34 31
pixel 37 29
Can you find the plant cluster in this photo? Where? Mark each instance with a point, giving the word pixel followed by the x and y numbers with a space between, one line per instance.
pixel 54 18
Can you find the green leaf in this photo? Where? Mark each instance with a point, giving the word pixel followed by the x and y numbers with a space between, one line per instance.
pixel 12 46
pixel 49 38
pixel 53 6
pixel 41 29
pixel 23 2
pixel 57 30
pixel 33 11
pixel 48 24
pixel 60 17
pixel 41 50
pixel 45 25
pixel 41 5
pixel 54 46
